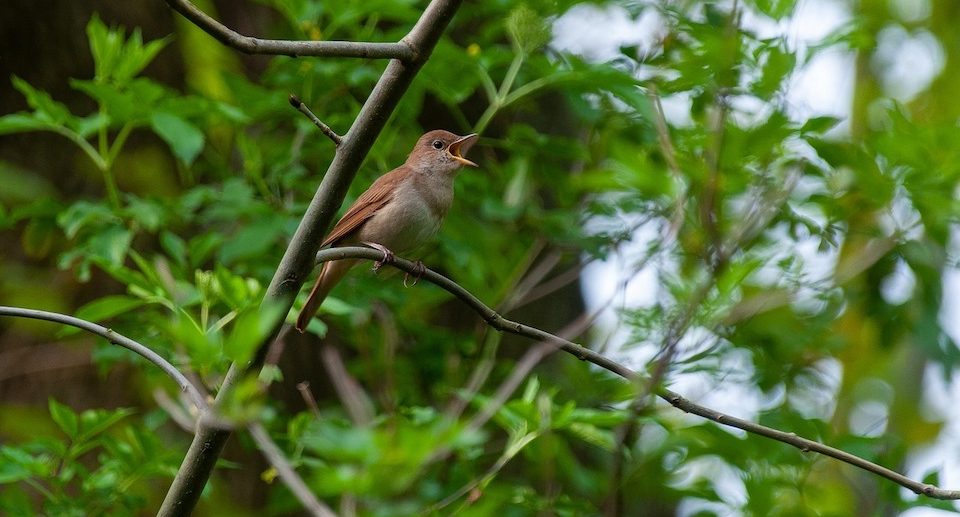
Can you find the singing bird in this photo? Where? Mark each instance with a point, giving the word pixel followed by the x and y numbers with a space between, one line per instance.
pixel 400 212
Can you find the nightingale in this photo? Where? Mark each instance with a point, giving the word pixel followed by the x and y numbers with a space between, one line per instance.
pixel 401 211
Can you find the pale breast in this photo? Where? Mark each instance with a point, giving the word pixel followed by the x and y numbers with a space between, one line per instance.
pixel 411 218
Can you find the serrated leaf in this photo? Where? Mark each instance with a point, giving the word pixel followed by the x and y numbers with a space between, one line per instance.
pixel 45 108
pixel 527 29
pixel 134 103
pixel 116 58
pixel 779 64
pixel 84 214
pixel 149 213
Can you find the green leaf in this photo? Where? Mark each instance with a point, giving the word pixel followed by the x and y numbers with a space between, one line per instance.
pixel 64 417
pixel 111 244
pixel 108 307
pixel 96 421
pixel 819 124
pixel 250 330
pixel 134 102
pixel 776 9
pixel 779 64
pixel 45 108
pixel 84 214
pixel 185 139
pixel 527 29
pixel 174 246
pixel 115 58
pixel 21 123
pixel 149 213
pixel 14 465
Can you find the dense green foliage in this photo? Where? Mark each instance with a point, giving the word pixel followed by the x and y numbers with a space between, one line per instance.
pixel 194 215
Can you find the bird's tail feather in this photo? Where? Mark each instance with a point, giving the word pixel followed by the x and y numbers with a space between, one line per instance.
pixel 330 275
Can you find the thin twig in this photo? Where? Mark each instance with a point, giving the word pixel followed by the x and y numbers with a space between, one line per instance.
pixel 676 400
pixel 325 129
pixel 355 401
pixel 308 398
pixel 197 396
pixel 670 155
pixel 391 340
pixel 176 412
pixel 289 476
pixel 294 48
pixel 524 366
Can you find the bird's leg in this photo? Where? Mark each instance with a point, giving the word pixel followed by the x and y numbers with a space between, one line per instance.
pixel 387 255
pixel 418 270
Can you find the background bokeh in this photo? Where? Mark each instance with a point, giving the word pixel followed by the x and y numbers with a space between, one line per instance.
pixel 786 231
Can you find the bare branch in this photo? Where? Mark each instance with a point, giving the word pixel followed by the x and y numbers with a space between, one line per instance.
pixel 197 397
pixel 289 476
pixel 297 260
pixel 676 400
pixel 294 48
pixel 354 399
pixel 670 155
pixel 176 412
pixel 325 129
pixel 304 389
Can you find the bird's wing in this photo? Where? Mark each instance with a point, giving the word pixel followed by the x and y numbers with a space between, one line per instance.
pixel 378 195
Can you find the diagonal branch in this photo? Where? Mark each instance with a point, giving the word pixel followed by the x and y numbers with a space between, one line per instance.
pixel 297 260
pixel 286 472
pixel 294 48
pixel 498 322
pixel 196 394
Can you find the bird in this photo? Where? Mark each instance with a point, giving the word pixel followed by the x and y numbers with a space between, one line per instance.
pixel 401 211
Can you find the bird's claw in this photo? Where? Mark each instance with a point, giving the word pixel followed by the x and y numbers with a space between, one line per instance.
pixel 388 255
pixel 418 270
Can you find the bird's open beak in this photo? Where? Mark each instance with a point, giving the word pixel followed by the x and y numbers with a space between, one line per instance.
pixel 460 147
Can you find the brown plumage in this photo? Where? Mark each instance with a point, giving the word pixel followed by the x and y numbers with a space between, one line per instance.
pixel 402 210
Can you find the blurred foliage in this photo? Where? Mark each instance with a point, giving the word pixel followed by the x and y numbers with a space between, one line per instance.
pixel 776 237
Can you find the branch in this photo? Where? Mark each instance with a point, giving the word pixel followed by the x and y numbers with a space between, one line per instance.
pixel 676 400
pixel 196 394
pixel 325 129
pixel 294 48
pixel 289 476
pixel 297 261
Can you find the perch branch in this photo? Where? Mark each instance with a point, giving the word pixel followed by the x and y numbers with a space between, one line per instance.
pixel 325 129
pixel 294 48
pixel 498 322
pixel 297 260
pixel 198 398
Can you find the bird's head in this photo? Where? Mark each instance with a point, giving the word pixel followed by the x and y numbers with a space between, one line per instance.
pixel 441 151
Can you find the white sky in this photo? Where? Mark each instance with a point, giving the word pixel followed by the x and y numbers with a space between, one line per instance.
pixel 907 61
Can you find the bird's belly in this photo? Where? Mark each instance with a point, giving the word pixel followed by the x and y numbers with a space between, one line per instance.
pixel 402 227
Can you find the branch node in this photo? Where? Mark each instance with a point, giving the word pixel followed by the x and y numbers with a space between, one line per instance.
pixel 325 129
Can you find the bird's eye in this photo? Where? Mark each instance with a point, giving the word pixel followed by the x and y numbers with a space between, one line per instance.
pixel 437 144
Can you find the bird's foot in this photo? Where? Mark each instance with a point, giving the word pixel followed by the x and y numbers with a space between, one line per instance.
pixel 418 270
pixel 388 255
